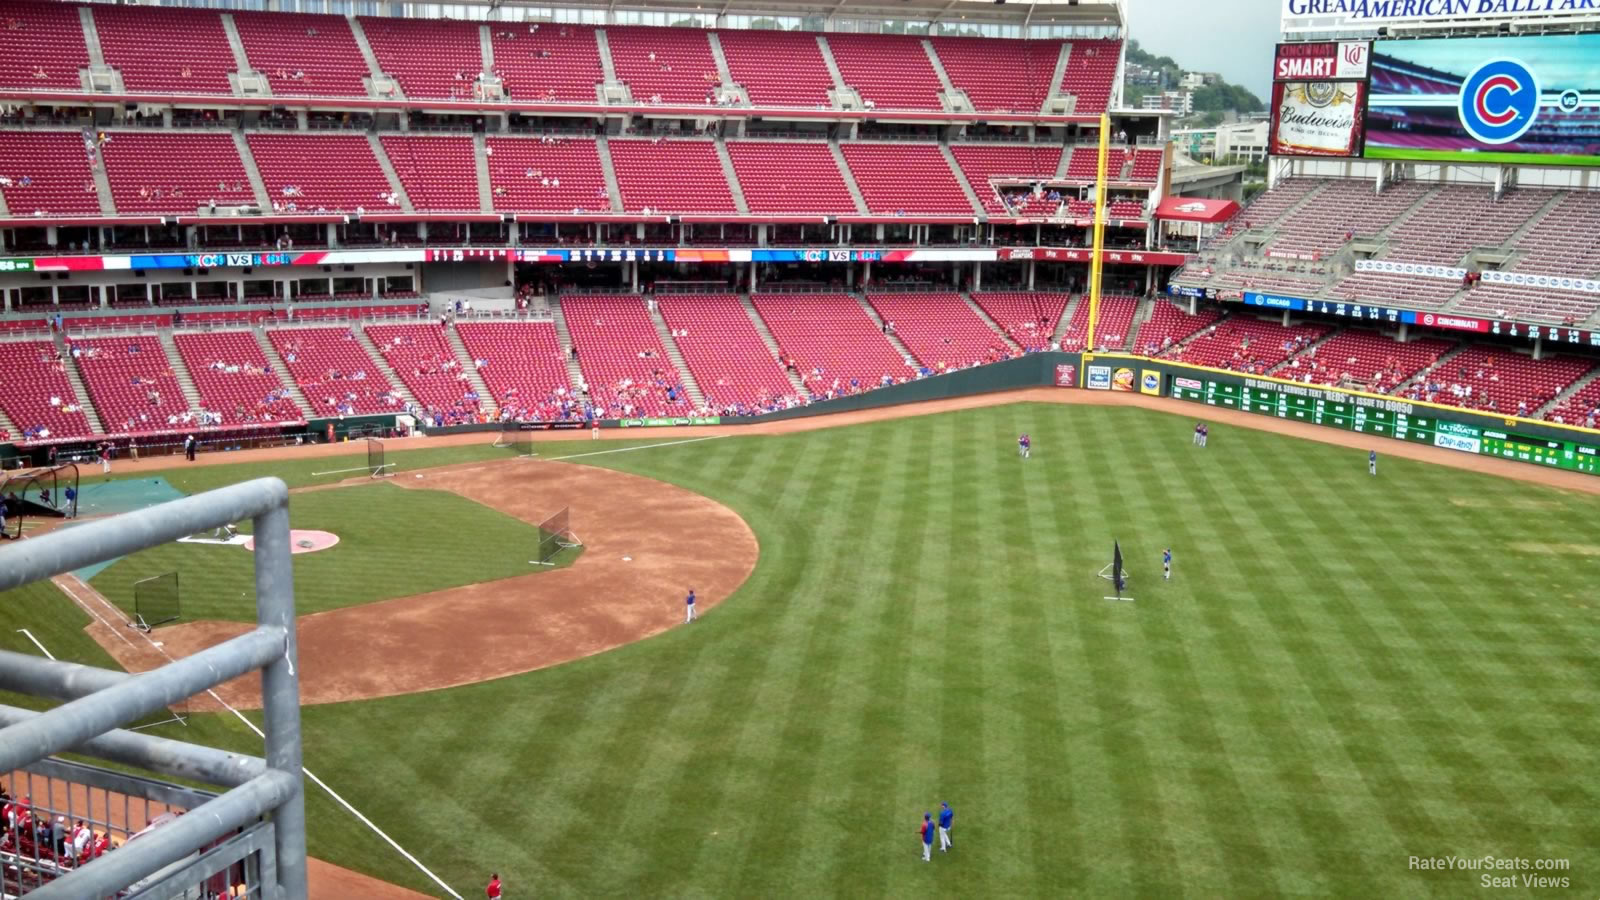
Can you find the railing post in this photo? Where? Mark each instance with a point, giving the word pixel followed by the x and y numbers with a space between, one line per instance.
pixel 280 694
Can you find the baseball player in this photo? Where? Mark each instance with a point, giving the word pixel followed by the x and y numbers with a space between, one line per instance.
pixel 493 890
pixel 1166 564
pixel 1198 428
pixel 947 816
pixel 2 519
pixel 188 448
pixel 927 837
pixel 105 458
pixel 689 604
pixel 1372 462
pixel 1205 434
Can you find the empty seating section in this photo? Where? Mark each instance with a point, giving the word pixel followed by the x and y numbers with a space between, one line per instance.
pixel 1561 245
pixel 1110 333
pixel 1000 75
pixel 1493 378
pixel 336 171
pixel 621 356
pixel 1342 210
pixel 906 178
pixel 664 65
pixel 1091 67
pixel 530 175
pixel 131 385
pixel 778 68
pixel 1084 164
pixel 36 395
pixel 1582 408
pixel 940 330
pixel 1169 325
pixel 1247 344
pixel 94 324
pixel 1124 209
pixel 889 71
pixel 547 61
pixel 1146 165
pixel 831 339
pixel 47 172
pixel 671 176
pixel 166 49
pixel 155 172
pixel 729 361
pixel 790 177
pixel 435 58
pixel 1365 360
pixel 1446 227
pixel 42 46
pixel 303 54
pixel 1029 317
pixel 525 365
pixel 334 371
pixel 1269 206
pixel 426 363
pixel 438 173
pixel 234 378
pixel 988 166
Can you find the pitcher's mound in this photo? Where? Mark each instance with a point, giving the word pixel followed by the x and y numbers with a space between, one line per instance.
pixel 303 541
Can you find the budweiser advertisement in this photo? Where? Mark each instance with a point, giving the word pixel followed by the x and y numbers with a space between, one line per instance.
pixel 1322 61
pixel 1317 118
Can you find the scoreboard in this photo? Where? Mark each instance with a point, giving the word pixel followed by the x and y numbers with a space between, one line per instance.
pixel 1383 417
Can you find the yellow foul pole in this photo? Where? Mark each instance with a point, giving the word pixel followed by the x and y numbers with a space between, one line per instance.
pixel 1099 231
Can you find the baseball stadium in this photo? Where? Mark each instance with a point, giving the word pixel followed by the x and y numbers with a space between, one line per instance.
pixel 496 450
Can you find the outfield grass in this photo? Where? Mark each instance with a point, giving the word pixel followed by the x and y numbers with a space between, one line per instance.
pixel 1344 673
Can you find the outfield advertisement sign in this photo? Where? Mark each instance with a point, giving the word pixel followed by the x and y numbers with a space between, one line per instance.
pixel 1322 61
pixel 677 420
pixel 1326 16
pixel 1545 282
pixel 1316 118
pixel 1099 377
pixel 1382 417
pixel 1416 270
pixel 1066 376
pixel 1528 100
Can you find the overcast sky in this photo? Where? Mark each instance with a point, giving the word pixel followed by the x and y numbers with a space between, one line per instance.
pixel 1234 37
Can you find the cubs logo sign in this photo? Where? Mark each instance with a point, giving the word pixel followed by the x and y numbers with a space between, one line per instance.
pixel 1499 101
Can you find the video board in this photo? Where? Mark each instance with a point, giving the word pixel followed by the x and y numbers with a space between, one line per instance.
pixel 1318 93
pixel 1526 100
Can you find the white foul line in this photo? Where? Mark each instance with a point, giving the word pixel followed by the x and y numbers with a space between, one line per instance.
pixel 35 642
pixel 639 447
pixel 252 726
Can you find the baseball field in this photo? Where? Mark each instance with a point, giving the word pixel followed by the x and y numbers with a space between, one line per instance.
pixel 1348 682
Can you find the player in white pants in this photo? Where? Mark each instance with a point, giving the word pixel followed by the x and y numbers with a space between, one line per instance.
pixel 689 606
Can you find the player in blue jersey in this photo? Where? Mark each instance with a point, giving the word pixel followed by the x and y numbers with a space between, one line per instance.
pixel 947 817
pixel 1372 462
pixel 1166 564
pixel 927 837
pixel 1024 445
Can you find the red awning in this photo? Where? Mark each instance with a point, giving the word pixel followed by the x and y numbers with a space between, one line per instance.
pixel 1196 209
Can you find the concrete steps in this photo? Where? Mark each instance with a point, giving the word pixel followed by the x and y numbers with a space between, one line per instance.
pixel 480 163
pixel 282 371
pixel 728 172
pixel 91 36
pixel 191 394
pixel 685 377
pixel 849 177
pixel 382 364
pixel 1309 350
pixel 393 176
pixel 379 83
pixel 721 60
pixel 987 320
pixel 486 400
pixel 961 179
pixel 771 342
pixel 893 339
pixel 1066 317
pixel 485 48
pixel 258 185
pixel 574 372
pixel 1055 80
pixel 80 392
pixel 613 189
pixel 245 80
pixel 608 66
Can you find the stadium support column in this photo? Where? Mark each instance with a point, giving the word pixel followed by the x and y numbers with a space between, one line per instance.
pixel 1538 347
pixel 333 235
pixel 753 268
pixel 977 275
pixel 1032 269
pixel 866 274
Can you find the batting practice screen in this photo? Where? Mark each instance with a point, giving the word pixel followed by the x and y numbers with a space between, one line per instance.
pixel 554 536
pixel 155 601
pixel 375 457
